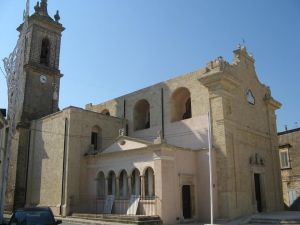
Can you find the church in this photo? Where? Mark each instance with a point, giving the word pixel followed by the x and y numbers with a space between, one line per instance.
pixel 145 153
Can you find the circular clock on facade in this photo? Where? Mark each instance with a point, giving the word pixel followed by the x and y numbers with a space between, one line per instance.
pixel 43 79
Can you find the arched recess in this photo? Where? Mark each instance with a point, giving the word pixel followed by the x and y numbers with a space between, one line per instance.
pixel 181 107
pixel 111 183
pixel 123 184
pixel 100 185
pixel 105 112
pixel 45 52
pixel 96 137
pixel 141 115
pixel 149 182
pixel 135 182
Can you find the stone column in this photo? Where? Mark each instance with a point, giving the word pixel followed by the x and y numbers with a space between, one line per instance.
pixel 117 194
pixel 106 186
pixel 142 185
pixel 151 184
pixel 129 186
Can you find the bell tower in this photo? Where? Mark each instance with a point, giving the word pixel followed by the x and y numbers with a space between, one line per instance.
pixel 41 64
pixel 40 91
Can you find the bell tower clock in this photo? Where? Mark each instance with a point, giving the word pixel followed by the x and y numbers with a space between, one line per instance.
pixel 41 64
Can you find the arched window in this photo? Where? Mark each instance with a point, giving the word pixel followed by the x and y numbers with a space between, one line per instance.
pixel 181 104
pixel 141 115
pixel 149 182
pixel 135 182
pixel 105 112
pixel 100 185
pixel 111 183
pixel 45 52
pixel 96 138
pixel 123 184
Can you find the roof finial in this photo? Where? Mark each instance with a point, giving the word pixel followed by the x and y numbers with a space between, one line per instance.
pixel 37 7
pixel 56 16
pixel 43 8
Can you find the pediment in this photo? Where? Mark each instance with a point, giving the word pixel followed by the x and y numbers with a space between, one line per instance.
pixel 124 143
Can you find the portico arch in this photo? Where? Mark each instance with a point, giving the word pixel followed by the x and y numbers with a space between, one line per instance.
pixel 123 184
pixel 149 182
pixel 135 182
pixel 100 185
pixel 111 180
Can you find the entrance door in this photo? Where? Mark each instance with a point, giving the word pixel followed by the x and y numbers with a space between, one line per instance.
pixel 258 192
pixel 186 201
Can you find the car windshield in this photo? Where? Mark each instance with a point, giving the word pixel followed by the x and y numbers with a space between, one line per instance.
pixel 32 218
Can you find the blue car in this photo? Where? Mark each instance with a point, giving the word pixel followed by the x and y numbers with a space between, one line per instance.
pixel 33 216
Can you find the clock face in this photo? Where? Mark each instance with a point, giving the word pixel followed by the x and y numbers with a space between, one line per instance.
pixel 43 79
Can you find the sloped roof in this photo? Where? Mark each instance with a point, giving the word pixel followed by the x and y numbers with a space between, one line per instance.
pixel 124 143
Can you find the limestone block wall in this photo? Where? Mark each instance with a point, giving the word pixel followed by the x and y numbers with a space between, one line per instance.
pixel 40 30
pixel 46 158
pixel 58 143
pixel 242 128
pixel 39 103
pixel 291 176
pixel 251 130
pixel 3 142
pixel 189 133
pixel 10 189
pixel 78 144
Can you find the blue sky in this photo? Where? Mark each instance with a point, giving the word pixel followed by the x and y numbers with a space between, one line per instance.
pixel 111 48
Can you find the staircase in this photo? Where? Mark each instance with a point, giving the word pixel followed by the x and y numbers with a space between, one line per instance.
pixel 284 218
pixel 138 220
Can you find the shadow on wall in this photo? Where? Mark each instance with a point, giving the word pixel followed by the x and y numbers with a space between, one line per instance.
pixel 294 207
pixel 37 156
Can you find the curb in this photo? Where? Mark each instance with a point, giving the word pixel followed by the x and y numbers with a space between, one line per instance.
pixel 86 221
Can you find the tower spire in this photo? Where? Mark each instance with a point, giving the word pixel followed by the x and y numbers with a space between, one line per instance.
pixel 26 11
pixel 27 8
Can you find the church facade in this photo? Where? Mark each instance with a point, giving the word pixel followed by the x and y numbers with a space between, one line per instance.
pixel 146 152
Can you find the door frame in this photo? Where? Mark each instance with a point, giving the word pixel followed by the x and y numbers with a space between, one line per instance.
pixel 190 201
pixel 187 179
pixel 261 172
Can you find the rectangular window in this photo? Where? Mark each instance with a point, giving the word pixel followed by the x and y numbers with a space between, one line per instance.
pixel 94 140
pixel 284 158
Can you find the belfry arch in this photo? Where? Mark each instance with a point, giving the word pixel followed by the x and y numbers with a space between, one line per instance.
pixel 141 115
pixel 181 107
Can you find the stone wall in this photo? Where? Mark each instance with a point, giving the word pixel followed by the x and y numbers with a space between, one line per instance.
pixel 291 176
pixel 58 143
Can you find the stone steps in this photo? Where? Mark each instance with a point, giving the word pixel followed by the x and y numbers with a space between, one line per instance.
pixel 264 221
pixel 127 219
